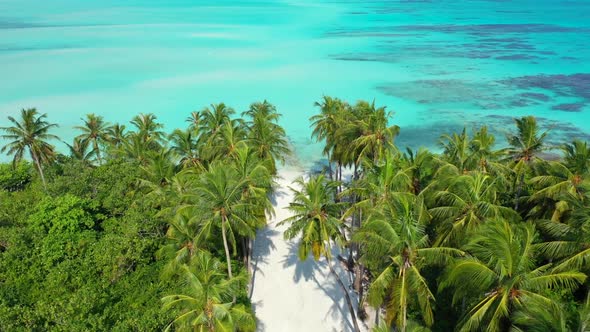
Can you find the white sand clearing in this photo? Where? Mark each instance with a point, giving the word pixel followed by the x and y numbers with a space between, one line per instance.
pixel 288 294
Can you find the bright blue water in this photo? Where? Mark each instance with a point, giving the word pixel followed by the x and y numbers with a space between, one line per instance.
pixel 440 65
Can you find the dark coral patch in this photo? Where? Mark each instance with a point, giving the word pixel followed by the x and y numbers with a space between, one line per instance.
pixel 517 57
pixel 493 29
pixel 572 107
pixel 500 40
pixel 535 96
pixel 519 103
pixel 575 85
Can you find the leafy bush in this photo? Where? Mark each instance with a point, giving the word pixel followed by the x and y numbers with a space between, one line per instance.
pixel 15 178
pixel 65 214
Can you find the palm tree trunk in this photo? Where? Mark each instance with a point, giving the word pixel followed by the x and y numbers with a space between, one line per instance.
pixel 330 172
pixel 351 245
pixel 346 295
pixel 97 152
pixel 246 254
pixel 518 191
pixel 225 246
pixel 361 291
pixel 403 303
pixel 377 315
pixel 359 271
pixel 340 176
pixel 249 256
pixel 353 223
pixel 39 168
pixel 358 285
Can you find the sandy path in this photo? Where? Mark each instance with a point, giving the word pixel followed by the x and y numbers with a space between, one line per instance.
pixel 290 295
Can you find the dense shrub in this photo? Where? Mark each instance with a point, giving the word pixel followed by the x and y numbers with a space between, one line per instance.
pixel 15 178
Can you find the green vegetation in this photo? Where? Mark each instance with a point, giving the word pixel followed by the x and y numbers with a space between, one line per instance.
pixel 128 232
pixel 136 229
pixel 471 239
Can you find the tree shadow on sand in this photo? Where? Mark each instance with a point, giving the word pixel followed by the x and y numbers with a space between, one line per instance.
pixel 277 192
pixel 262 247
pixel 312 270
pixel 339 309
pixel 304 269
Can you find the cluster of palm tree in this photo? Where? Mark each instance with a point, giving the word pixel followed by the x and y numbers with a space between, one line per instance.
pixel 30 134
pixel 500 235
pixel 212 182
pixel 503 231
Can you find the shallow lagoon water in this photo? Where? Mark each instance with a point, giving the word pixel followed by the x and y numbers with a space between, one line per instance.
pixel 439 65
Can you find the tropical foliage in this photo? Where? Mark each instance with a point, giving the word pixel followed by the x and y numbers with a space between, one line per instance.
pixel 473 238
pixel 132 216
pixel 133 228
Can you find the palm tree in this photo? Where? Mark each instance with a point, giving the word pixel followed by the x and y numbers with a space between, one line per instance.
pixel 136 148
pixel 483 158
pixel 465 204
pixel 148 129
pixel 31 133
pixel 255 172
pixel 217 202
pixel 502 276
pixel 472 154
pixel 456 149
pixel 558 184
pixel 184 144
pixel 569 240
pixel 181 244
pixel 231 136
pixel 194 121
pixel 537 317
pixel 79 150
pixel 556 187
pixel 582 323
pixel 577 157
pixel 206 304
pixel 328 125
pixel 117 134
pixel 263 110
pixel 421 165
pixel 158 171
pixel 396 248
pixel 525 144
pixel 214 117
pixel 265 136
pixel 94 130
pixel 117 138
pixel 257 186
pixel 380 183
pixel 376 135
pixel 315 221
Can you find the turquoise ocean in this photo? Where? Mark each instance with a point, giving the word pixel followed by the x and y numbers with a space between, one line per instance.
pixel 438 65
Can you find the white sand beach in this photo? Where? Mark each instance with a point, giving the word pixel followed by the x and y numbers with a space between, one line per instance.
pixel 288 294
